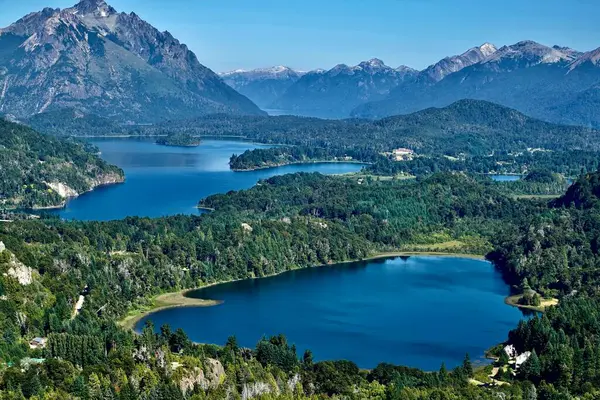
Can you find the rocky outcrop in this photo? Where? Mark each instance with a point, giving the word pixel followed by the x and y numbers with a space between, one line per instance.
pixel 256 389
pixel 67 192
pixel 211 377
pixel 22 273
pixel 293 382
pixel 2 247
pixel 62 189
pixel 107 179
pixel 214 374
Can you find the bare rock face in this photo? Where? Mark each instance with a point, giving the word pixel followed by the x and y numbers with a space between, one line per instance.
pixel 92 58
pixel 19 271
pixel 449 65
pixel 214 373
pixel 293 382
pixel 256 389
pixel 2 247
pixel 62 189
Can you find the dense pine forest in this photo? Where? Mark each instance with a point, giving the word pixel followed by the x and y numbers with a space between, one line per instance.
pixel 33 167
pixel 296 221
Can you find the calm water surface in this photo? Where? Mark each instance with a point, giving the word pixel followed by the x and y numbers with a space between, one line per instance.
pixel 418 311
pixel 162 180
pixel 505 178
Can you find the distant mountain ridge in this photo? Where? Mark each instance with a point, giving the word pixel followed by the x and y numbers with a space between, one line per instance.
pixel 449 65
pixel 334 93
pixel 264 85
pixel 556 84
pixel 114 64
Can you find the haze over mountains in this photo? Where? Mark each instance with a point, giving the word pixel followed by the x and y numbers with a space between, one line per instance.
pixel 263 86
pixel 92 58
pixel 335 93
pixel 556 83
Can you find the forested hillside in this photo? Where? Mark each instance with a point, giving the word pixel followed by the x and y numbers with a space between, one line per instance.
pixel 467 126
pixel 40 171
pixel 287 222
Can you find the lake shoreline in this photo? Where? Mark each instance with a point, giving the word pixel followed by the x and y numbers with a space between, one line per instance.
pixel 513 301
pixel 166 301
pixel 300 163
pixel 62 205
pixel 179 298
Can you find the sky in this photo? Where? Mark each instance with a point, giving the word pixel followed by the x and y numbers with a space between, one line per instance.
pixel 310 34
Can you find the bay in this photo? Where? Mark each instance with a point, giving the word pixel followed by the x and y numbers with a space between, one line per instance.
pixel 164 180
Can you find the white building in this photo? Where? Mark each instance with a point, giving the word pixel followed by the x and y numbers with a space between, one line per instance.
pixel 522 358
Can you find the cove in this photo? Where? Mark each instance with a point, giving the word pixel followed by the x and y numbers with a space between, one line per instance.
pixel 163 180
pixel 418 311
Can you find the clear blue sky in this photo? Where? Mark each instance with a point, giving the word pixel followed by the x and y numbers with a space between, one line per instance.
pixel 308 34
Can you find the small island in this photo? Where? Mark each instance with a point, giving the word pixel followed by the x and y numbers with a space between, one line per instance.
pixel 179 140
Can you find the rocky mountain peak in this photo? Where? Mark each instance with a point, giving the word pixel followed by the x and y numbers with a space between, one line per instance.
pixel 373 63
pixel 276 72
pixel 60 58
pixel 590 58
pixel 98 8
pixel 532 53
pixel 449 65
pixel 487 49
pixel 406 70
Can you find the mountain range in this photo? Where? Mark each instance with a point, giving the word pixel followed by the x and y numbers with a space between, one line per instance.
pixel 556 84
pixel 98 60
pixel 335 93
pixel 263 86
pixel 92 60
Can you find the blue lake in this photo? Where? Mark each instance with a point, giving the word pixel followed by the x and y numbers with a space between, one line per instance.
pixel 416 311
pixel 162 180
pixel 505 178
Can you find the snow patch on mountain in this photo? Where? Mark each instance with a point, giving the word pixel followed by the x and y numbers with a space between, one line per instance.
pixel 532 53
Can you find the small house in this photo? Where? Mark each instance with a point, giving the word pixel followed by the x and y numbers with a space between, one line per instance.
pixel 38 343
pixel 402 153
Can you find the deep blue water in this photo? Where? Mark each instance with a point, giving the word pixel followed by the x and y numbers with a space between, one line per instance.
pixel 162 180
pixel 418 311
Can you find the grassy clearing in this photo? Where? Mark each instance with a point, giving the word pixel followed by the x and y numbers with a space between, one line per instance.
pixel 544 303
pixel 163 302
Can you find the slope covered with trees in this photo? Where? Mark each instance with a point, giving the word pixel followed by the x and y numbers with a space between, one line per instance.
pixel 296 221
pixel 39 171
